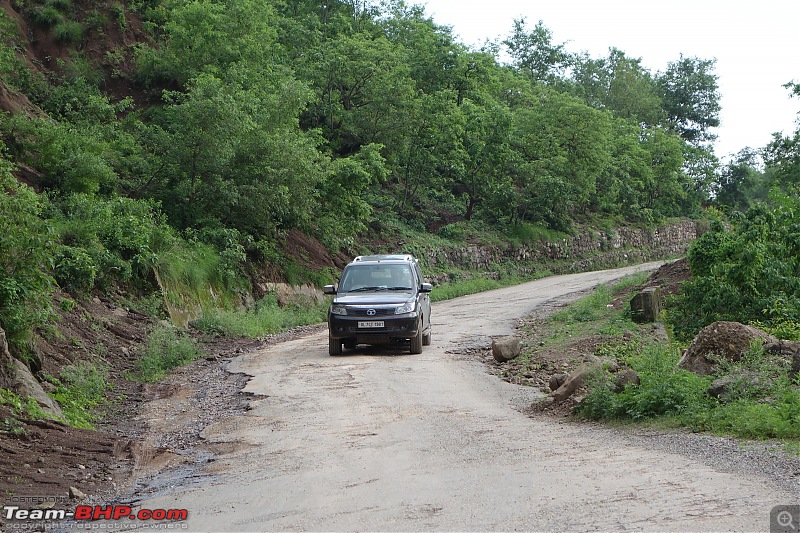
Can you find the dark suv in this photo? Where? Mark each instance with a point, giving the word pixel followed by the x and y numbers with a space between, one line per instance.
pixel 380 299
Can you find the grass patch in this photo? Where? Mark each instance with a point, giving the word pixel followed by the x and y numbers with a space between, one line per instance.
pixel 527 233
pixel 68 32
pixel 80 391
pixel 468 285
pixel 21 409
pixel 166 348
pixel 665 389
pixel 265 319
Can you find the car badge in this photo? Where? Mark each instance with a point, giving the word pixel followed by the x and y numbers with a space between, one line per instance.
pixel 371 312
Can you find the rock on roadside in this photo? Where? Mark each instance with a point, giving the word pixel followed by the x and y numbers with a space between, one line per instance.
pixel 728 340
pixel 505 348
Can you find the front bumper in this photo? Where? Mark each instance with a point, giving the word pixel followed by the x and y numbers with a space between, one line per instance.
pixel 394 327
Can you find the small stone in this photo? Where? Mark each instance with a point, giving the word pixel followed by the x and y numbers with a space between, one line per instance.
pixel 81 467
pixel 76 494
pixel 556 380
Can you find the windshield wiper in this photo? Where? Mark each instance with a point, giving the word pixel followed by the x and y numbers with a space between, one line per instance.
pixel 398 288
pixel 365 289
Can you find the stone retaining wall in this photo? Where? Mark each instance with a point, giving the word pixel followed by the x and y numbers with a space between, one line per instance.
pixel 588 248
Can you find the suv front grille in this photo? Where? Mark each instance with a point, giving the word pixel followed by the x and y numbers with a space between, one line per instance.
pixel 365 311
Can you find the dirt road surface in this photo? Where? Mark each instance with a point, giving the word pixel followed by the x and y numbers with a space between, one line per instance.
pixel 382 440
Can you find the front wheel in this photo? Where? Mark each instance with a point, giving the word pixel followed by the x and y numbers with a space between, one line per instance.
pixel 416 343
pixel 334 346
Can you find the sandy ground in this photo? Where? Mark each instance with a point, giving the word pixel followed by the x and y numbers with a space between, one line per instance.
pixel 382 440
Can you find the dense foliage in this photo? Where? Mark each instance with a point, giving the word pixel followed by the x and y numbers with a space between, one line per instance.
pixel 750 273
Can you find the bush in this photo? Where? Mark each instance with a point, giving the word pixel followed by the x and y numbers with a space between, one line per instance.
pixel 665 390
pixel 748 274
pixel 80 390
pixel 114 238
pixel 68 32
pixel 763 404
pixel 75 270
pixel 48 16
pixel 166 348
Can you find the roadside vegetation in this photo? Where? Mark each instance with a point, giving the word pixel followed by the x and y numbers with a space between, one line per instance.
pixel 762 401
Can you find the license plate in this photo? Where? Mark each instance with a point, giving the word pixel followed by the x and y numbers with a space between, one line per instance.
pixel 373 324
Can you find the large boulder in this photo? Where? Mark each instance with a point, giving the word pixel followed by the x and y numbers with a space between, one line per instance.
pixel 505 348
pixel 728 341
pixel 16 377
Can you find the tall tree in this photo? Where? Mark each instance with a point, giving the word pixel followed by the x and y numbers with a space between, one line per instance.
pixel 534 54
pixel 620 84
pixel 487 150
pixel 691 98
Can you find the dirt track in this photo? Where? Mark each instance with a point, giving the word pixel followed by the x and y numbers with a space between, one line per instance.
pixel 376 440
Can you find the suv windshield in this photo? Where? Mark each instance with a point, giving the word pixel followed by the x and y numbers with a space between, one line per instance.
pixel 386 277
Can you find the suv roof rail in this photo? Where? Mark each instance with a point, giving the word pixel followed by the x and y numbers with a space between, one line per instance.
pixel 384 257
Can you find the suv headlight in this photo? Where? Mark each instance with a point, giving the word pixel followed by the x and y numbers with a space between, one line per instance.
pixel 338 309
pixel 407 307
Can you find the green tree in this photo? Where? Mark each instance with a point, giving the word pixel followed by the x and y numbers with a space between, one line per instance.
pixel 691 98
pixel 562 147
pixel 534 54
pixel 620 84
pixel 749 274
pixel 487 152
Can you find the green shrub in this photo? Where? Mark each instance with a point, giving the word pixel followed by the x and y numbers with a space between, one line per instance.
pixel 68 32
pixel 48 16
pixel 166 348
pixel 665 390
pixel 27 408
pixel 96 20
pixel 118 10
pixel 747 274
pixel 122 238
pixel 80 390
pixel 75 270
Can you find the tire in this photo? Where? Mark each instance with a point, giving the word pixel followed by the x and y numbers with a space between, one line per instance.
pixel 426 339
pixel 334 346
pixel 416 344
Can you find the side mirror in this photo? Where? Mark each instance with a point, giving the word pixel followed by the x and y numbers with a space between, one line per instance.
pixel 329 289
pixel 425 287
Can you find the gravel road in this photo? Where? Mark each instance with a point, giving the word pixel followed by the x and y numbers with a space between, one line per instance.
pixel 381 440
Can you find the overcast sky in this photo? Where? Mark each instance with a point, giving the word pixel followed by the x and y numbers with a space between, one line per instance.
pixel 756 45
